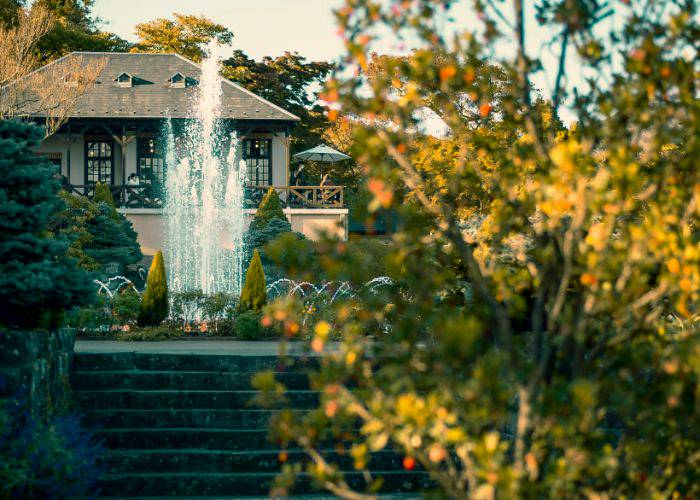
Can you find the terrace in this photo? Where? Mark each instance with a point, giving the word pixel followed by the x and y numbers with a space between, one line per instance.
pixel 147 196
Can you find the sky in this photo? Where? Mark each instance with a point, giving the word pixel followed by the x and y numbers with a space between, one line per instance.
pixel 271 27
pixel 260 27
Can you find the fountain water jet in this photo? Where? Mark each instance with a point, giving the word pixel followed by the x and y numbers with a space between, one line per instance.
pixel 204 195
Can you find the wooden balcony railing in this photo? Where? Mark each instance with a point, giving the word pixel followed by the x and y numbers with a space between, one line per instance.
pixel 125 196
pixel 290 196
pixel 299 196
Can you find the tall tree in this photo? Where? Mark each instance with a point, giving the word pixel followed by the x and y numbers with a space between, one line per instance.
pixel 50 93
pixel 74 28
pixel 8 11
pixel 186 35
pixel 550 350
pixel 290 81
pixel 38 281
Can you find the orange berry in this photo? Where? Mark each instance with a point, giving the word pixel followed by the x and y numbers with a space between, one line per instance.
pixel 409 463
pixel 282 457
pixel 317 345
pixel 331 408
pixel 673 266
pixel 437 453
pixel 447 72
pixel 587 279
pixel 485 110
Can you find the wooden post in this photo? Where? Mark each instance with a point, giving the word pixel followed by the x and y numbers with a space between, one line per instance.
pixel 70 143
pixel 123 145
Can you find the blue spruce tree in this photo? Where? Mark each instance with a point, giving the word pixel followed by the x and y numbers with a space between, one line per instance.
pixel 38 281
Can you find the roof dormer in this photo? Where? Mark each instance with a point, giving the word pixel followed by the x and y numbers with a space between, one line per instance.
pixel 124 80
pixel 180 81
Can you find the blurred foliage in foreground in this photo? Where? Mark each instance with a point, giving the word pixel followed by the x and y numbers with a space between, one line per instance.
pixel 541 335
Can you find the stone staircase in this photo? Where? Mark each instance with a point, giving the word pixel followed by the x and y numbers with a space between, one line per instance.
pixel 183 425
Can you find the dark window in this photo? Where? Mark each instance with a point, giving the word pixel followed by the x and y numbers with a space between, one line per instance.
pixel 99 161
pixel 258 157
pixel 151 163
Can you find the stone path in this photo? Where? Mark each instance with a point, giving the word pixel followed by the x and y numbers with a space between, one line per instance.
pixel 199 346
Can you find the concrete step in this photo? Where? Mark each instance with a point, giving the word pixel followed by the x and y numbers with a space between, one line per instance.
pixel 196 380
pixel 182 399
pixel 197 460
pixel 185 362
pixel 195 418
pixel 235 484
pixel 186 438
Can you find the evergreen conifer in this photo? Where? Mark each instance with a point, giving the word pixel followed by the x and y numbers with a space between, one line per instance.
pixel 38 281
pixel 270 208
pixel 254 295
pixel 103 195
pixel 100 236
pixel 154 302
pixel 112 240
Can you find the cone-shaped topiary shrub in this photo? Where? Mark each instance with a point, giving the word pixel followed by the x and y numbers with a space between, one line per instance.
pixel 253 295
pixel 270 208
pixel 154 302
pixel 103 195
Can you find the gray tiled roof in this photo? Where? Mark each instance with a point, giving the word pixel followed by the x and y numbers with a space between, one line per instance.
pixel 151 96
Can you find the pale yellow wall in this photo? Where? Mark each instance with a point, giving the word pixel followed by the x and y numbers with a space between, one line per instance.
pixel 279 160
pixel 312 223
pixel 150 230
pixel 58 144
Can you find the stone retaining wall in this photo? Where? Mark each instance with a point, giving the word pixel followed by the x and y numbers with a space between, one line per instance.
pixel 35 366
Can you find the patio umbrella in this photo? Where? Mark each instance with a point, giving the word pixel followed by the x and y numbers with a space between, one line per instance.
pixel 323 154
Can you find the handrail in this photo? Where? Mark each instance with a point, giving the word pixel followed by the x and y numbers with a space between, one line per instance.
pixel 300 196
pixel 147 196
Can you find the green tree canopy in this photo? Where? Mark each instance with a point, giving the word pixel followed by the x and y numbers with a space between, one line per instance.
pixel 548 347
pixel 186 35
pixel 8 11
pixel 38 281
pixel 75 29
pixel 288 81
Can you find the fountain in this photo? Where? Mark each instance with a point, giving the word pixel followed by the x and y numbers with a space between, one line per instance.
pixel 204 221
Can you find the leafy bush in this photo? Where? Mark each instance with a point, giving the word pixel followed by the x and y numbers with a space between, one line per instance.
pixel 218 306
pixel 150 333
pixel 154 302
pixel 372 255
pixel 187 306
pixel 57 459
pixel 125 306
pixel 215 309
pixel 96 318
pixel 38 281
pixel 254 294
pixel 247 325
